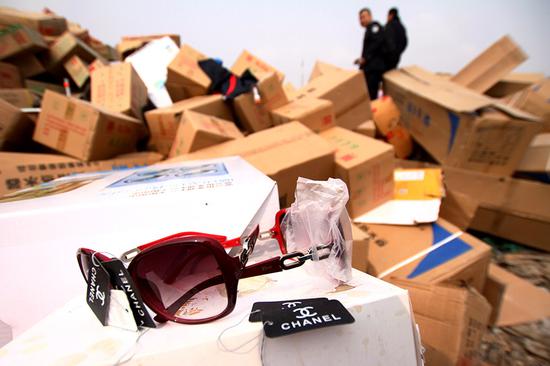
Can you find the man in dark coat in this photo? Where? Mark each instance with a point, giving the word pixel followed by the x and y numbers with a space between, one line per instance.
pixel 372 57
pixel 395 39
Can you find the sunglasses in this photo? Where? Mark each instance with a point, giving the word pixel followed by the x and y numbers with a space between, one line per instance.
pixel 190 278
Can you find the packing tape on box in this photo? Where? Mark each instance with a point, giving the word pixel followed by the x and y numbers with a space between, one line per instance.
pixel 420 254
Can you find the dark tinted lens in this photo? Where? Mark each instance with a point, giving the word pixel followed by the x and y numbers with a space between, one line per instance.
pixel 84 261
pixel 183 279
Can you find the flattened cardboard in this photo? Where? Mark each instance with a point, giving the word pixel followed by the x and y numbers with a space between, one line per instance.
pixel 522 302
pixel 184 70
pixel 452 321
pixel 491 65
pixel 462 259
pixel 24 170
pixel 163 122
pixel 514 209
pixel 365 165
pixel 118 88
pixel 317 114
pixel 46 24
pixel 84 131
pixel 283 152
pixel 197 131
pixel 357 115
pixel 9 76
pixel 251 114
pixel 459 127
pixel 15 127
pixel 20 98
pixel 17 39
pixel 257 66
pixel 271 92
pixel 345 89
pixel 367 128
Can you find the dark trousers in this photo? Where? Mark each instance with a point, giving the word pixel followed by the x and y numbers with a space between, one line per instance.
pixel 373 79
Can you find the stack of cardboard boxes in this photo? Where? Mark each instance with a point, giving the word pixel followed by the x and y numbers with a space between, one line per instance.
pixel 153 101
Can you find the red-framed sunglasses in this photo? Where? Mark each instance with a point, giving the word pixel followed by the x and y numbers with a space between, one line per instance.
pixel 189 278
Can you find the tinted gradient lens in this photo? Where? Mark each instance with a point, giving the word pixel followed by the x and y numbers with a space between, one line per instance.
pixel 85 262
pixel 183 280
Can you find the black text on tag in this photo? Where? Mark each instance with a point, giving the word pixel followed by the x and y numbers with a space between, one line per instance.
pixel 98 292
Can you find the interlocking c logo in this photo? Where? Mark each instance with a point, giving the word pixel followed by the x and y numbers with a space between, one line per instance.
pixel 304 312
pixel 291 304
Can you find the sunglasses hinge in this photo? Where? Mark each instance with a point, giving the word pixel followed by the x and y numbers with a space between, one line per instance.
pixel 129 255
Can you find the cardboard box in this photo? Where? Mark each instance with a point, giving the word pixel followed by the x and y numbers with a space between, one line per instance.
pixel 271 92
pixel 367 128
pixel 534 100
pixel 114 212
pixel 163 122
pixel 360 256
pixel 118 88
pixel 366 166
pixel 184 70
pixel 257 66
pixel 67 46
pixel 290 90
pixel 15 127
pixel 317 114
pixel 452 322
pixel 197 131
pixel 20 98
pixel 457 126
pixel 9 76
pixel 321 68
pixel 77 70
pixel 491 65
pixel 513 83
pixel 86 132
pixel 402 252
pixel 355 116
pixel 46 24
pixel 24 170
pixel 17 39
pixel 151 64
pixel 345 89
pixel 28 64
pixel 251 115
pixel 537 156
pixel 283 152
pixel 513 209
pixel 384 332
pixel 40 87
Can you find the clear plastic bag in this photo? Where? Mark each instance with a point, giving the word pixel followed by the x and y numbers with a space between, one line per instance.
pixel 318 217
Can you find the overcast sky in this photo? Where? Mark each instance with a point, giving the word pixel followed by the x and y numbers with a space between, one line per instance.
pixel 291 35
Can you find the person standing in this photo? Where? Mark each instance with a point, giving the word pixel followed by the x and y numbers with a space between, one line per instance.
pixel 395 39
pixel 372 57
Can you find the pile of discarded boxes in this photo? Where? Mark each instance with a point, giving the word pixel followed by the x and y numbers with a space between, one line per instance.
pixel 71 104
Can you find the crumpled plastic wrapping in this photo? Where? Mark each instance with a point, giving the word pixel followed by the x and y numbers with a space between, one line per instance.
pixel 318 216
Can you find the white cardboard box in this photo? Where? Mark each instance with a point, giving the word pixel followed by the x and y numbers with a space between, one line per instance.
pixel 40 236
pixel 382 334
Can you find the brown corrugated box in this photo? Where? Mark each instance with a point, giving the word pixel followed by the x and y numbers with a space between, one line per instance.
pixel 402 252
pixel 283 152
pixel 360 252
pixel 15 127
pixel 197 131
pixel 271 92
pixel 251 114
pixel 77 70
pixel 356 115
pixel 65 47
pixel 46 24
pixel 491 65
pixel 20 98
pixel 81 130
pixel 367 128
pixel 185 72
pixel 23 170
pixel 366 166
pixel 17 39
pixel 163 122
pixel 28 64
pixel 10 76
pixel 316 114
pixel 118 88
pixel 452 321
pixel 258 67
pixel 460 127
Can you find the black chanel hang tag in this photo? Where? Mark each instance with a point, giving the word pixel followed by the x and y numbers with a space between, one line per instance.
pixel 98 292
pixel 121 279
pixel 260 308
pixel 293 316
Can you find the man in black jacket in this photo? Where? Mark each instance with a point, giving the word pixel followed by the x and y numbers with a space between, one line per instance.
pixel 395 39
pixel 372 57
